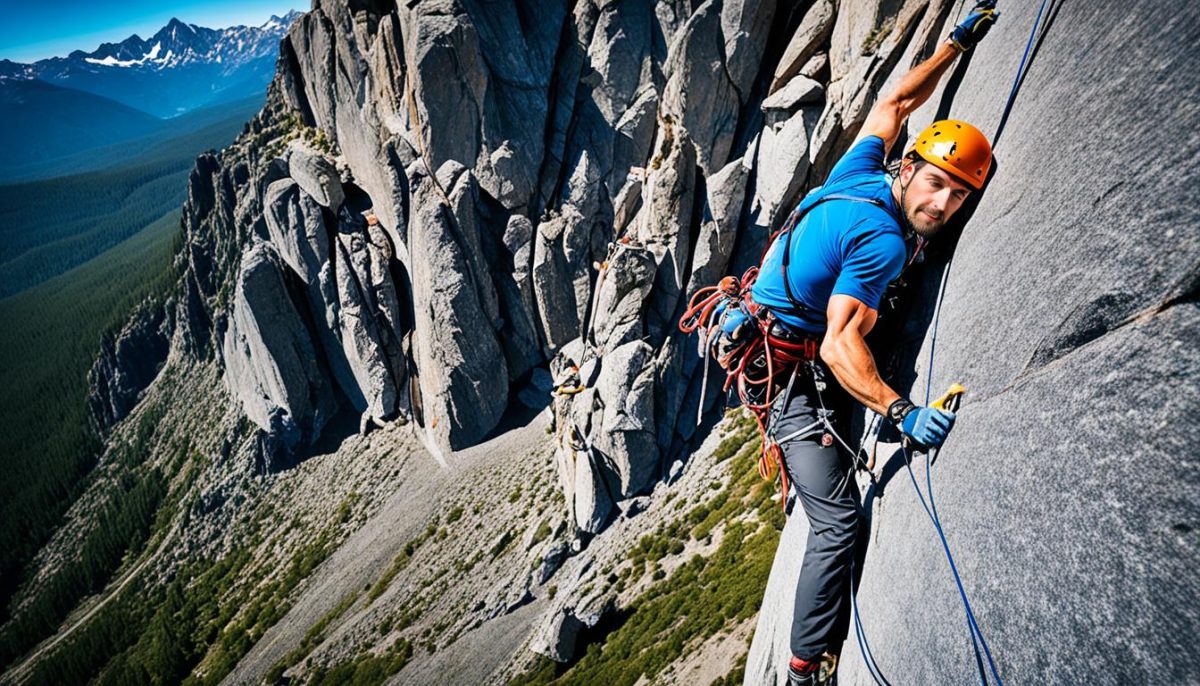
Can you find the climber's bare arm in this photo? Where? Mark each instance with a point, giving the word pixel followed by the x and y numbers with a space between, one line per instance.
pixel 914 89
pixel 845 351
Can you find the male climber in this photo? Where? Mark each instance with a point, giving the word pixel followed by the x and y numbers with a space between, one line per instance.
pixel 840 257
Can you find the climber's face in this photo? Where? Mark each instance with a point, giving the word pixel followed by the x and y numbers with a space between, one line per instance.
pixel 930 196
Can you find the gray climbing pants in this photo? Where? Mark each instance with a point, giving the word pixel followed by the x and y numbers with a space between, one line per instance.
pixel 821 473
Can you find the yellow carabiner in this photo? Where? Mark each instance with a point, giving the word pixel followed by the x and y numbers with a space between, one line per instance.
pixel 950 399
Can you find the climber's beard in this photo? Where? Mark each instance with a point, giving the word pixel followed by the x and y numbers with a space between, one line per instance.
pixel 924 220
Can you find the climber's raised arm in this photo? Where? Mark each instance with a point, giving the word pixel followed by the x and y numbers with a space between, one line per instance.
pixel 889 113
pixel 914 89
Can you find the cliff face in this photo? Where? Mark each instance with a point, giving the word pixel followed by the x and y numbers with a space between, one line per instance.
pixel 443 200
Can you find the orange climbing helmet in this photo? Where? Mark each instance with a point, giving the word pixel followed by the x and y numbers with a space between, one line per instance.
pixel 956 147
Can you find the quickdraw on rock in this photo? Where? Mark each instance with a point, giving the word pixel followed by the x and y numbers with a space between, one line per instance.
pixel 571 383
pixel 753 348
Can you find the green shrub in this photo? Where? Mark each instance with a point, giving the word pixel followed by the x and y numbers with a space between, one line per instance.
pixel 501 545
pixel 543 532
pixel 366 669
pixel 312 638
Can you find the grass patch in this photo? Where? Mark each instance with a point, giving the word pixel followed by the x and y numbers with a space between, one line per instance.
pixel 312 638
pixel 875 38
pixel 402 559
pixel 543 532
pixel 501 545
pixel 366 669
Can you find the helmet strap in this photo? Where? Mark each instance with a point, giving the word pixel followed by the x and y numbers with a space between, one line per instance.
pixel 909 230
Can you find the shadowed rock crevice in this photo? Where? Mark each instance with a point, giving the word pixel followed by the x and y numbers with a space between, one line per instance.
pixel 1084 324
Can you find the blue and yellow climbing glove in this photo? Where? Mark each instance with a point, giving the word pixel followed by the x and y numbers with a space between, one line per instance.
pixel 972 29
pixel 927 427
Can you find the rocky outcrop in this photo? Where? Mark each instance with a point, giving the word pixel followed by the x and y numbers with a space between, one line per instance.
pixel 369 317
pixel 700 94
pixel 865 46
pixel 127 363
pixel 269 355
pixel 464 382
pixel 351 307
pixel 315 174
pixel 805 43
pixel 624 437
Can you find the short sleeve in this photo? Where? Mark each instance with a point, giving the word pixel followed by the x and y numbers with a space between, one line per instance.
pixel 874 259
pixel 864 157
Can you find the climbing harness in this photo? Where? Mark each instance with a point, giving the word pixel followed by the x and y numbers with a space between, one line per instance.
pixel 767 349
pixel 978 642
pixel 754 363
pixel 794 220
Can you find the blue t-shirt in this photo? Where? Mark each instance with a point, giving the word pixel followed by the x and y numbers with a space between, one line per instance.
pixel 841 246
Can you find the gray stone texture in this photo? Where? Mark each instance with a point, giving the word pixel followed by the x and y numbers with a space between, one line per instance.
pixel 625 433
pixel 316 175
pixel 127 363
pixel 813 31
pixel 621 295
pixel 700 96
pixel 463 377
pixel 269 356
pixel 666 229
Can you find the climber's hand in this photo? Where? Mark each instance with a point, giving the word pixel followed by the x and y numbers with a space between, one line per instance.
pixel 735 325
pixel 972 29
pixel 926 426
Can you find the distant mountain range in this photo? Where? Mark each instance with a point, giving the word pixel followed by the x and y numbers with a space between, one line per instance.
pixel 180 68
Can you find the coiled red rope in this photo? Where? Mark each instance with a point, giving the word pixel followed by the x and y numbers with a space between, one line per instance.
pixel 757 365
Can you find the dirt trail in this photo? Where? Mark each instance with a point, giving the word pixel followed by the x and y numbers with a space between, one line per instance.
pixel 22 671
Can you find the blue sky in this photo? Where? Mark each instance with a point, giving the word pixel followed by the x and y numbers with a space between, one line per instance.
pixel 31 30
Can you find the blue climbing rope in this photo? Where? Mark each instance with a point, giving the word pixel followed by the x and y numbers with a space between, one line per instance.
pixel 977 639
pixel 1020 77
pixel 863 646
pixel 978 642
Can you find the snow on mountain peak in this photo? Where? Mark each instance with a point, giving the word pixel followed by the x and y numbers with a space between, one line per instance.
pixel 111 61
pixel 175 44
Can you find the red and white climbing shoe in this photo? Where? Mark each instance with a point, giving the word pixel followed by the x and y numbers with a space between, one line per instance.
pixel 821 671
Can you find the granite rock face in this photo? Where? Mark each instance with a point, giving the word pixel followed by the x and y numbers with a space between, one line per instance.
pixel 269 355
pixel 464 384
pixel 315 174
